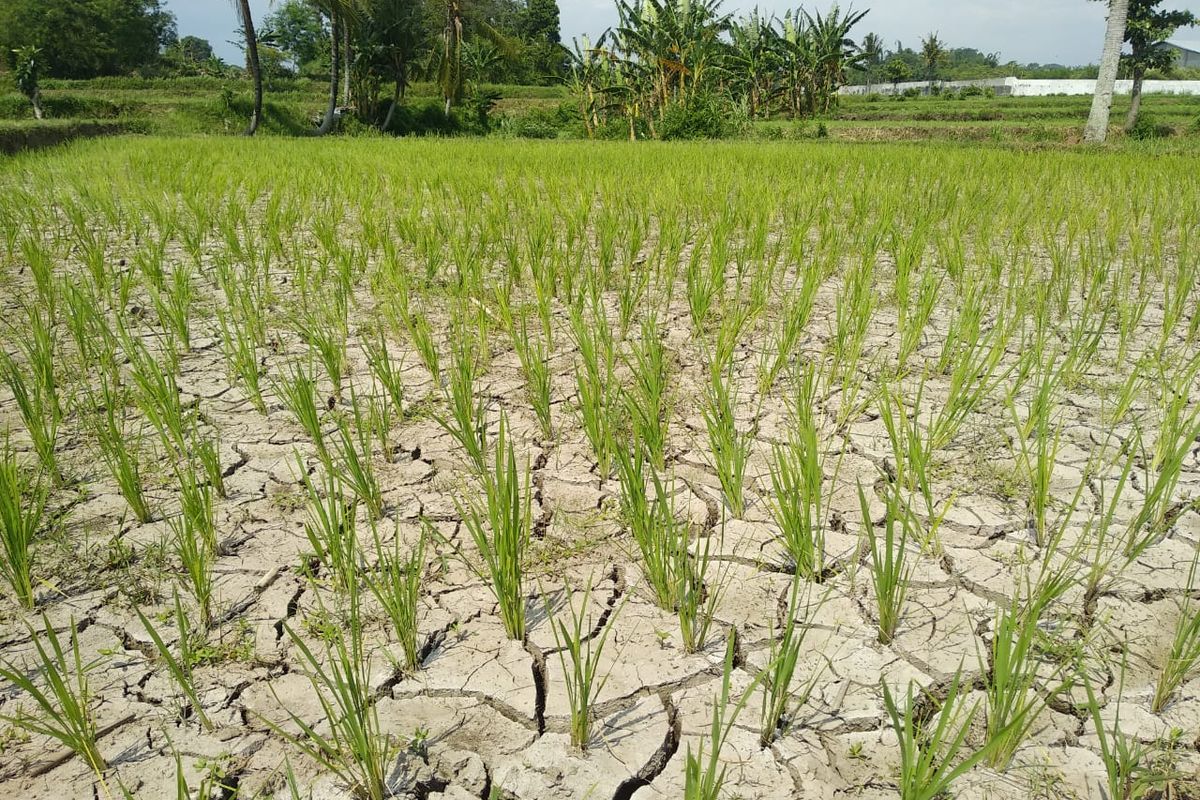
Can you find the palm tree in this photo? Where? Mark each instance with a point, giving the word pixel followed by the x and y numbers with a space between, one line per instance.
pixel 450 71
pixel 1110 58
pixel 243 11
pixel 933 55
pixel 872 49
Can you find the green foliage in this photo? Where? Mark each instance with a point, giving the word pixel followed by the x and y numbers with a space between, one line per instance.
pixel 706 117
pixel 85 38
pixel 1149 127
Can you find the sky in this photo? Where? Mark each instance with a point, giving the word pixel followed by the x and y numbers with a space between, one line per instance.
pixel 1043 31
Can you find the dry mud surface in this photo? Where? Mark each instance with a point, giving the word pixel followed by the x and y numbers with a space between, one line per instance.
pixel 487 717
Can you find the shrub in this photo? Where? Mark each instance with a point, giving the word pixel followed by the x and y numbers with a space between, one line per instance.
pixel 703 118
pixel 1148 127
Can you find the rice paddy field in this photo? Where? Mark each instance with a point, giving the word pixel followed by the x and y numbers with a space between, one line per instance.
pixel 501 469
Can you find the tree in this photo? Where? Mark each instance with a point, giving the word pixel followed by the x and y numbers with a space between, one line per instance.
pixel 933 56
pixel 295 27
pixel 541 21
pixel 87 38
pixel 1146 28
pixel 1110 58
pixel 194 49
pixel 341 14
pixel 391 46
pixel 896 70
pixel 25 76
pixel 252 64
pixel 540 28
pixel 872 51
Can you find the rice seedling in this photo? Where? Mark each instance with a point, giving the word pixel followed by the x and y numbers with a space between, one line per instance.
pixel 119 452
pixel 1128 772
pixel 796 310
pixel 65 702
pixel 35 390
pixel 646 400
pixel 352 455
pixel 385 371
pixel 296 389
pixel 703 773
pixel 1160 485
pixel 351 743
pixel 1039 456
pixel 1182 661
pixel 580 647
pixel 205 453
pixel 330 527
pixel 196 557
pixel 1016 682
pixel 241 349
pixel 595 384
pixel 179 666
pixel 914 321
pixel 703 283
pixel 730 448
pixel 467 421
pixel 779 698
pixel 855 306
pixel 890 568
pixel 327 334
pixel 913 453
pixel 660 537
pixel 500 527
pixel 421 335
pixel 173 305
pixel 156 393
pixel 930 754
pixel 533 357
pixel 396 585
pixel 94 340
pixel 698 589
pixel 22 515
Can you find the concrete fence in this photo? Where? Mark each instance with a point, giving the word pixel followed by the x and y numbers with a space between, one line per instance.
pixel 1026 87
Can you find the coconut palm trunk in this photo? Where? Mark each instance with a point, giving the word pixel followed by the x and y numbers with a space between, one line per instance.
pixel 1114 35
pixel 335 41
pixel 252 64
pixel 347 61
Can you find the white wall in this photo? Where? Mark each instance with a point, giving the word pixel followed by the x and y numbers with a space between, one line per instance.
pixel 1027 87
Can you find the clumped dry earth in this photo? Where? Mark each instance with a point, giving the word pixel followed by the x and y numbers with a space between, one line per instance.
pixel 486 716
